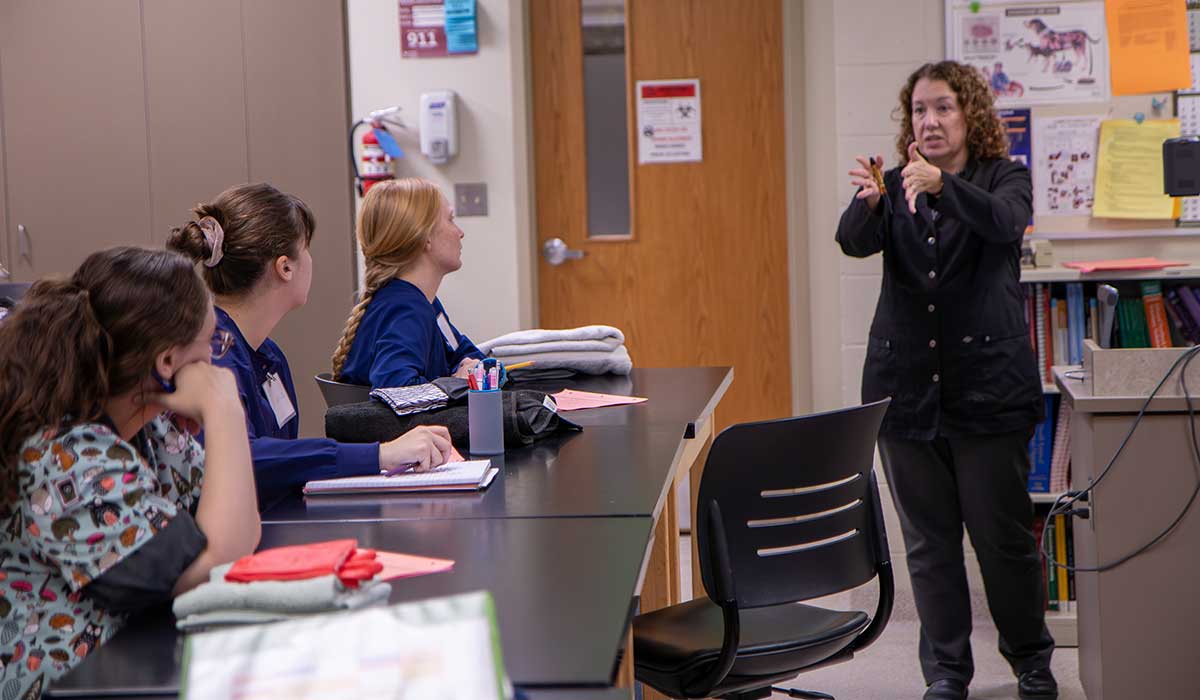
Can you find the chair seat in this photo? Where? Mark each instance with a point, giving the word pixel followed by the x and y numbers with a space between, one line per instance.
pixel 675 646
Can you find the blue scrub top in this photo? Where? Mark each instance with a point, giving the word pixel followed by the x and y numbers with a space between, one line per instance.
pixel 282 461
pixel 399 343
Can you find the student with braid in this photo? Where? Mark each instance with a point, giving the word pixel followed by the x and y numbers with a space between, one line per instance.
pixel 252 243
pixel 108 504
pixel 399 333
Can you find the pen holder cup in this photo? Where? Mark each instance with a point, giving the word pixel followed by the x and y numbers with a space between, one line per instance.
pixel 485 422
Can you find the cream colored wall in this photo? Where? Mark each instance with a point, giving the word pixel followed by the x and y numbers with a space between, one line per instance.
pixel 858 53
pixel 493 293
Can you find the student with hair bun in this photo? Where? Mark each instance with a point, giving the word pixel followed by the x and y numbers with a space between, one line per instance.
pixel 108 504
pixel 251 244
pixel 399 333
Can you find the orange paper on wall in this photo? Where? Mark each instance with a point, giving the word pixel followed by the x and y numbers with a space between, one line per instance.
pixel 1148 46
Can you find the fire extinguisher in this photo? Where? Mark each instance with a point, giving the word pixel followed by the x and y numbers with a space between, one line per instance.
pixel 372 165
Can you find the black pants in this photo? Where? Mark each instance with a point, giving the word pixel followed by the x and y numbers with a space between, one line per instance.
pixel 938 485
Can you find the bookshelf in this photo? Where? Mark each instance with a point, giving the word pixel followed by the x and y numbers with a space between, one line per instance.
pixel 1030 275
pixel 1063 625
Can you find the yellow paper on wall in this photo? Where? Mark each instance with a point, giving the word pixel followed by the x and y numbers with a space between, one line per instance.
pixel 1148 46
pixel 1129 170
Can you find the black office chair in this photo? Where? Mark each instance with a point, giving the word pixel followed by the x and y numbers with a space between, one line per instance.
pixel 337 393
pixel 788 511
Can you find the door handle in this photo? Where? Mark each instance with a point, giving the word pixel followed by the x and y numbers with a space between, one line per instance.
pixel 24 244
pixel 556 252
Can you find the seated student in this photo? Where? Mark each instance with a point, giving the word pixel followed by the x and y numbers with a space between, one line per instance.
pixel 399 333
pixel 102 511
pixel 252 241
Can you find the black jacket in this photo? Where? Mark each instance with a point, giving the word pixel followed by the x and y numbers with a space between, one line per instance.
pixel 949 342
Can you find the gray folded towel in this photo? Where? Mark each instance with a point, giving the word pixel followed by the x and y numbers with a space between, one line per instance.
pixel 375 594
pixel 312 595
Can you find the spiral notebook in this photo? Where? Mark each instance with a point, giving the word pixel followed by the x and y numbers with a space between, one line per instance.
pixel 453 476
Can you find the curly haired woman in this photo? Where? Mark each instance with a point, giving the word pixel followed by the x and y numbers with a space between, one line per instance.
pixel 949 344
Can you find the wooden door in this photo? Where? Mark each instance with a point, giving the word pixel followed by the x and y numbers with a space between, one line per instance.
pixel 703 278
pixel 75 143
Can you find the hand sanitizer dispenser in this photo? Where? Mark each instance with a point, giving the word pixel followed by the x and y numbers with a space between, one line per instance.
pixel 439 126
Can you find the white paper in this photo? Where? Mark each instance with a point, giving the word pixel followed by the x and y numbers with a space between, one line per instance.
pixel 438 648
pixel 1033 53
pixel 1188 110
pixel 668 121
pixel 1064 165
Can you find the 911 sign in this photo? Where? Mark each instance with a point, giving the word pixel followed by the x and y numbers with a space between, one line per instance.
pixel 431 28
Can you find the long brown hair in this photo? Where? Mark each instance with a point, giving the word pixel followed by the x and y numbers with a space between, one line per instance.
pixel 396 220
pixel 260 224
pixel 986 137
pixel 71 344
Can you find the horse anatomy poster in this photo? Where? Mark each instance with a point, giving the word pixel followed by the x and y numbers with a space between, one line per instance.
pixel 1033 53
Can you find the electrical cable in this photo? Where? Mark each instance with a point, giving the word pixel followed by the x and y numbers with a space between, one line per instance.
pixel 1065 503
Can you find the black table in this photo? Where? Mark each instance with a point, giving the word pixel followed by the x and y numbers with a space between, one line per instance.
pixel 603 471
pixel 563 580
pixel 563 590
pixel 678 396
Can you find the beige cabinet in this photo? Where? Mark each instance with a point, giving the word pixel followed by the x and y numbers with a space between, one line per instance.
pixel 117 117
pixel 75 131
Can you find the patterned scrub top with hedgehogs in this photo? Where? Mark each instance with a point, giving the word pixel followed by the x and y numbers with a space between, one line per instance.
pixel 86 500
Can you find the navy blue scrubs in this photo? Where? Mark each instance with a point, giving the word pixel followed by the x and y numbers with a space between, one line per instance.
pixel 282 461
pixel 401 342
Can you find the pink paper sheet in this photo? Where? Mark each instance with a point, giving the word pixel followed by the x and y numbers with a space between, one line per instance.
pixel 396 565
pixel 1122 264
pixel 571 400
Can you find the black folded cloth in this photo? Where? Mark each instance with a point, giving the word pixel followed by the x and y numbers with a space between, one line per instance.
pixel 527 418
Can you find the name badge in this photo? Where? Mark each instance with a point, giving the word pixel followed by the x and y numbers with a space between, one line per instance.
pixel 447 332
pixel 278 397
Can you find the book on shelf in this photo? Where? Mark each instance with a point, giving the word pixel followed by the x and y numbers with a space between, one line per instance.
pixel 1060 460
pixel 1051 569
pixel 1040 305
pixel 1156 314
pixel 1183 329
pixel 1041 450
pixel 1060 555
pixel 1191 307
pixel 1075 322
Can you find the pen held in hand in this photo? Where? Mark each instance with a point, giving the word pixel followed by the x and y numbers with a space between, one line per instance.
pixel 877 175
pixel 400 469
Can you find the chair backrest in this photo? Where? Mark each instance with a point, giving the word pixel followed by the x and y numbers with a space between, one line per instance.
pixel 338 393
pixel 14 290
pixel 799 505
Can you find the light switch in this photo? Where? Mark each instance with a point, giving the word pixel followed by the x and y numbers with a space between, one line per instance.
pixel 470 199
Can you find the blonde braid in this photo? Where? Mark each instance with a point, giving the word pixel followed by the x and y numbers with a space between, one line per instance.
pixel 377 275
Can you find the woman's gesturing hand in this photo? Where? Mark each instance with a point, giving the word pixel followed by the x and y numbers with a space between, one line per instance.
pixel 862 177
pixel 919 176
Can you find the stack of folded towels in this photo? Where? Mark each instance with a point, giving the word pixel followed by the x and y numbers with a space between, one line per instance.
pixel 587 349
pixel 282 583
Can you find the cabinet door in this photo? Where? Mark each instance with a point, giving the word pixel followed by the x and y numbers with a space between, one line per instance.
pixel 297 119
pixel 5 256
pixel 196 105
pixel 74 114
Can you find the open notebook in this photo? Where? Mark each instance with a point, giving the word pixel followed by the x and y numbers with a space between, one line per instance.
pixel 452 476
